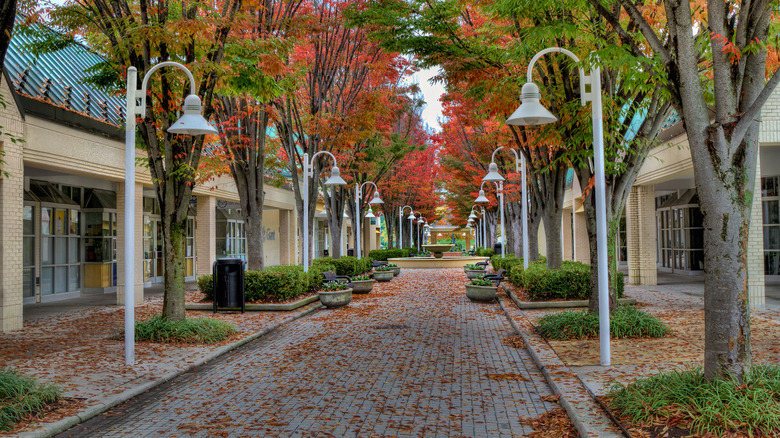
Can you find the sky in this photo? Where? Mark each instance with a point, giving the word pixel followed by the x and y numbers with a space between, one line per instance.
pixel 432 92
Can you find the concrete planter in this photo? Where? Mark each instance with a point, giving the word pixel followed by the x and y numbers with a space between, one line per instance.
pixel 396 271
pixel 481 293
pixel 474 273
pixel 383 275
pixel 362 286
pixel 336 298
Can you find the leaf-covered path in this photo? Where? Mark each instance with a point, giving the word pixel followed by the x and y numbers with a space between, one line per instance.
pixel 413 358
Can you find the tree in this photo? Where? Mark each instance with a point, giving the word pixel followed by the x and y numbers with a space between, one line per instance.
pixel 728 43
pixel 141 35
pixel 243 110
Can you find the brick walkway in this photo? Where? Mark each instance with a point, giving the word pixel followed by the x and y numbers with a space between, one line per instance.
pixel 413 358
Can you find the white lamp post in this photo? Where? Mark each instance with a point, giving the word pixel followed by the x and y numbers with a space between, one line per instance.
pixel 308 172
pixel 472 219
pixel 191 123
pixel 531 112
pixel 493 175
pixel 493 171
pixel 374 201
pixel 400 225
pixel 420 222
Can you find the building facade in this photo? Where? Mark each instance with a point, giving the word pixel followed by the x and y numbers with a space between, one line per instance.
pixel 62 201
pixel 662 229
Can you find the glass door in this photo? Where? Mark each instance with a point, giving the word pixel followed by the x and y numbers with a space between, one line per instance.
pixel 153 251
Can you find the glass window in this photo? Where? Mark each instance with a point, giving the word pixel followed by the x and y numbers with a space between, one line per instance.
pixel 60 251
pixel 60 221
pixel 28 282
pixel 60 279
pixel 771 237
pixel 74 280
pixel 73 250
pixel 47 224
pixel 769 186
pixel 771 212
pixel 47 250
pixel 47 281
pixel 28 251
pixel 28 220
pixel 74 223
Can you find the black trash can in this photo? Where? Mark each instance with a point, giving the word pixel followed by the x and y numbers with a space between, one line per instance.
pixel 351 252
pixel 228 278
pixel 497 249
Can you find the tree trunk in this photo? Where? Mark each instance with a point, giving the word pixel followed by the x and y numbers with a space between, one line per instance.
pixel 254 240
pixel 514 228
pixel 533 240
pixel 335 200
pixel 589 204
pixel 552 233
pixel 174 265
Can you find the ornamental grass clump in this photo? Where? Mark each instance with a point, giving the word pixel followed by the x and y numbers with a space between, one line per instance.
pixel 190 331
pixel 687 400
pixel 624 322
pixel 21 396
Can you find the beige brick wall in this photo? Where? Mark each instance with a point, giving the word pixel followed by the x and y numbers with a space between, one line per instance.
pixel 770 116
pixel 581 243
pixel 641 236
pixel 138 273
pixel 755 262
pixel 11 204
pixel 567 249
pixel 206 234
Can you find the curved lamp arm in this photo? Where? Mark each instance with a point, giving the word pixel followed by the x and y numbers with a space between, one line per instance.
pixel 403 209
pixel 311 162
pixel 495 183
pixel 584 97
pixel 360 188
pixel 145 82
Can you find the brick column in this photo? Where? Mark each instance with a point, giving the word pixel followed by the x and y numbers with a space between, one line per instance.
pixel 139 245
pixel 566 238
pixel 755 256
pixel 206 234
pixel 11 205
pixel 641 234
pixel 581 243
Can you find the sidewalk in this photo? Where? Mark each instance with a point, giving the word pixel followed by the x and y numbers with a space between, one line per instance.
pixel 80 350
pixel 576 363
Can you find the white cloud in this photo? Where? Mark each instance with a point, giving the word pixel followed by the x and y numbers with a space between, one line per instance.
pixel 432 93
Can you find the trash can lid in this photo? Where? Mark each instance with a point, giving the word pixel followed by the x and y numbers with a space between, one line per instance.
pixel 229 261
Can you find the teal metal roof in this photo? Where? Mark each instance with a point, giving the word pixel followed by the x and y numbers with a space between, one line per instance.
pixel 58 79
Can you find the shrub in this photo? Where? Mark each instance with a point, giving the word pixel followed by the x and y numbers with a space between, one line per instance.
pixel 688 399
pixel 384 254
pixel 21 396
pixel 351 265
pixel 485 252
pixel 624 322
pixel 474 267
pixel 191 330
pixel 507 262
pixel 571 282
pixel 206 285
pixel 333 286
pixel 278 283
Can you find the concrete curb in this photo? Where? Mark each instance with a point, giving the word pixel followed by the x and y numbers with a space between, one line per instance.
pixel 259 307
pixel 106 403
pixel 584 412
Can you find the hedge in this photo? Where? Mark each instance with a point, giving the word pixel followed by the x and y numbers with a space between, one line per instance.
pixel 352 265
pixel 484 252
pixel 384 254
pixel 571 282
pixel 274 283
pixel 507 262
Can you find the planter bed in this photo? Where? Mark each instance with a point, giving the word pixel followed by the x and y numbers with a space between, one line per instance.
pixel 559 304
pixel 266 307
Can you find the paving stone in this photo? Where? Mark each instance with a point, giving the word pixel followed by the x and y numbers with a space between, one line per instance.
pixel 413 358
